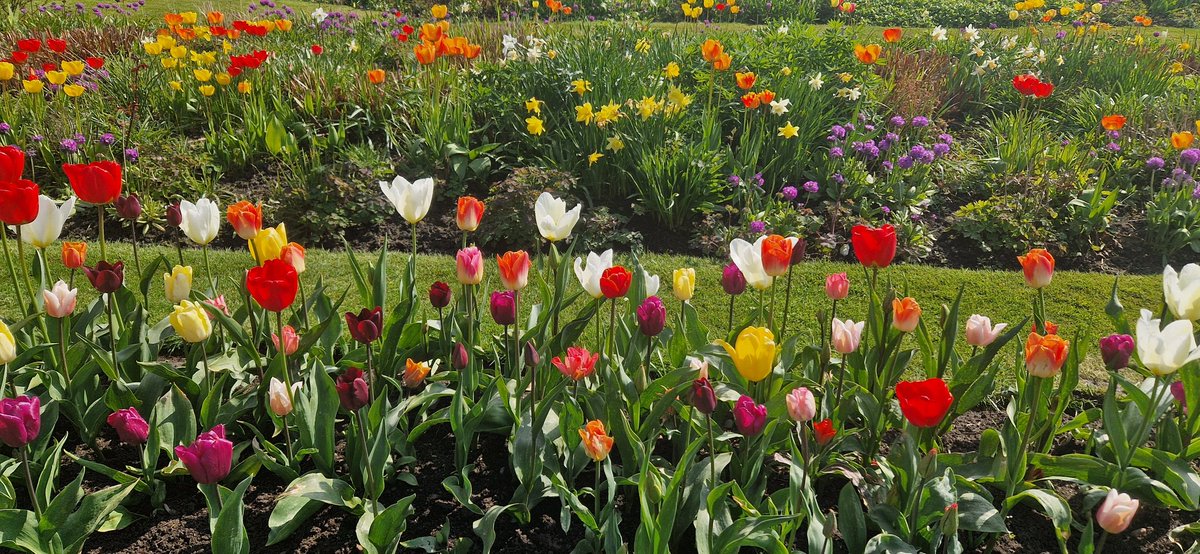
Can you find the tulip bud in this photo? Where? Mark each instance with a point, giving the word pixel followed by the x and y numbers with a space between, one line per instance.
pixel 1116 350
pixel 799 250
pixel 130 426
pixel 732 280
pixel 367 326
pixel 291 340
pixel 824 431
pixel 178 284
pixel 20 419
pixel 74 254
pixel 459 359
pixel 906 314
pixel 749 416
pixel 980 331
pixel 532 358
pixel 703 396
pixel 439 295
pixel 209 458
pixel 837 286
pixel 503 307
pixel 191 322
pixel 174 215
pixel 652 316
pixel 801 405
pixel 1179 394
pixel 294 254
pixel 1116 512
pixel 280 400
pixel 352 389
pixel 129 207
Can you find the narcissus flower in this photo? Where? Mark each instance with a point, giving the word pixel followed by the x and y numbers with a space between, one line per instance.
pixel 1038 266
pixel 753 353
pixel 789 131
pixel 596 442
pixel 535 125
pixel 1045 355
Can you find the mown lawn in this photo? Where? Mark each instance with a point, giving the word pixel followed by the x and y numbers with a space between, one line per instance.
pixel 1075 300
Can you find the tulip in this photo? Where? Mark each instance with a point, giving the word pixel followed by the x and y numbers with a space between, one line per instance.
pixel 414 373
pixel 12 163
pixel 846 335
pixel 273 285
pixel 589 275
pixel 1116 350
pixel 1164 351
pixel 178 283
pixel 74 254
pixel 1038 266
pixel 652 316
pixel 174 215
pixel 294 254
pixel 20 420
pixel 106 277
pixel 837 287
pixel 352 389
pixel 191 322
pixel 8 345
pixel 460 358
pixel 704 398
pixel 683 284
pixel 131 427
pixel 514 269
pixel 1182 291
pixel 824 431
pixel 469 264
pixel 439 295
pixel 218 305
pixel 269 243
pixel 906 314
pixel 733 281
pixel 201 221
pixel 367 326
pixel 615 282
pixel 777 254
pixel 1179 394
pixel 290 343
pixel 801 405
pixel 411 199
pixel 753 353
pixel 553 220
pixel 96 183
pixel 504 307
pixel 532 358
pixel 892 34
pixel 748 258
pixel 209 458
pixel 1045 355
pixel 246 218
pixel 980 331
pixel 874 248
pixel 19 202
pixel 1116 512
pixel 128 206
pixel 278 397
pixel 48 225
pixel 596 443
pixel 749 416
pixel 60 300
pixel 578 364
pixel 470 212
pixel 924 403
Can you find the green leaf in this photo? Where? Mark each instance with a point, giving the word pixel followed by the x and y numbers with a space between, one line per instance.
pixel 229 532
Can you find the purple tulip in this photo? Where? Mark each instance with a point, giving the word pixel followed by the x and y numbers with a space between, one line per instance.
pixel 367 326
pixel 504 307
pixel 209 458
pixel 652 316
pixel 749 416
pixel 703 396
pixel 20 420
pixel 1115 350
pixel 130 426
pixel 732 280
pixel 460 358
pixel 129 207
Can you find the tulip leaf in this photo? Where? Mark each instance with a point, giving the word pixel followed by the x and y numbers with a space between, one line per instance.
pixel 485 527
pixel 173 420
pixel 387 528
pixel 19 528
pixel 317 405
pixel 93 511
pixel 886 543
pixel 229 533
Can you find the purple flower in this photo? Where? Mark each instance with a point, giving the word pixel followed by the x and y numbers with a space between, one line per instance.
pixel 1114 134
pixel 789 193
pixel 887 166
pixel 5 128
pixel 811 187
pixel 870 128
pixel 37 138
pixel 904 162
pixel 838 178
pixel 735 180
pixel 1060 35
pixel 1115 350
pixel 1189 156
pixel 886 210
pixel 132 154
pixel 1155 163
pixel 836 152
pixel 896 121
pixel 838 132
pixel 758 226
pixel 68 145
pixel 1178 393
pixel 920 121
pixel 941 149
pixel 107 138
pixel 1113 147
pixel 732 280
pixel 946 138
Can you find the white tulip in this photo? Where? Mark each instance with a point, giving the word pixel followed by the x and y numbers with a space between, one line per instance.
pixel 553 220
pixel 200 221
pixel 589 276
pixel 1182 291
pixel 45 229
pixel 1164 351
pixel 748 258
pixel 411 199
pixel 652 283
pixel 980 331
pixel 60 301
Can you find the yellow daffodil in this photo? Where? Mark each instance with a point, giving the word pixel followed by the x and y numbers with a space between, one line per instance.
pixel 789 131
pixel 533 105
pixel 672 70
pixel 647 107
pixel 845 77
pixel 608 112
pixel 534 125
pixel 580 86
pixel 594 157
pixel 615 144
pixel 754 353
pixel 584 113
pixel 683 283
pixel 245 87
pixel 176 85
pixel 642 46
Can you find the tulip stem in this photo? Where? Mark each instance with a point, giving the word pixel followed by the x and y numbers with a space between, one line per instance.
pixel 1103 539
pixel 712 470
pixel 362 436
pixel 112 331
pixel 731 297
pixel 137 260
pixel 612 328
pixel 207 373
pixel 287 436
pixel 212 279
pixel 837 397
pixel 303 301
pixel 596 496
pixel 100 223
pixel 23 452
pixel 281 349
pixel 24 268
pixel 787 304
pixel 12 273
pixel 62 350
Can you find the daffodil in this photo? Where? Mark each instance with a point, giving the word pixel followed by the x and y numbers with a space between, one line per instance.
pixel 780 107
pixel 533 105
pixel 671 71
pixel 584 113
pixel 534 125
pixel 580 86
pixel 615 144
pixel 789 131
pixel 594 157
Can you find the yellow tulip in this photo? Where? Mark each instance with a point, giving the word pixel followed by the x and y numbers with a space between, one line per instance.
pixel 152 48
pixel 202 75
pixel 284 25
pixel 684 283
pixel 166 42
pixel 223 79
pixel 245 87
pixel 6 71
pixel 33 86
pixel 178 283
pixel 270 25
pixel 8 345
pixel 268 244
pixel 169 63
pixel 73 68
pixel 754 354
pixel 208 90
pixel 189 18
pixel 56 77
pixel 176 85
pixel 191 322
pixel 73 90
pixel 179 52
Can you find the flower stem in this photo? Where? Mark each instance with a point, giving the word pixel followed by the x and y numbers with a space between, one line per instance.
pixel 24 268
pixel 362 436
pixel 112 332
pixel 100 223
pixel 23 452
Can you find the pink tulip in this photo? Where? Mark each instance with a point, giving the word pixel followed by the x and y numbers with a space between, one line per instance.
pixel 837 286
pixel 846 335
pixel 749 416
pixel 980 331
pixel 291 340
pixel 20 420
pixel 469 263
pixel 801 405
pixel 60 300
pixel 209 458
pixel 1116 512
pixel 578 364
pixel 130 426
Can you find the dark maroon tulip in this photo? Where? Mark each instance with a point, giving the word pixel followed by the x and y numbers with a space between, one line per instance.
pixel 367 326
pixel 129 207
pixel 799 250
pixel 174 216
pixel 20 420
pixel 652 316
pixel 1115 350
pixel 504 307
pixel 105 277
pixel 130 426
pixel 439 295
pixel 352 389
pixel 532 358
pixel 704 398
pixel 732 280
pixel 209 458
pixel 460 358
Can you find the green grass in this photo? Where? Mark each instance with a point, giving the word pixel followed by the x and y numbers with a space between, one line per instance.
pixel 1075 300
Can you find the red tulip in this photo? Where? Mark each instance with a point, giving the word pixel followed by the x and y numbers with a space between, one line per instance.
pixel 56 45
pixel 367 326
pixel 439 295
pixel 273 285
pixel 95 183
pixel 824 431
pixel 29 45
pixel 924 403
pixel 776 255
pixel 352 389
pixel 95 63
pixel 209 458
pixel 615 281
pixel 874 248
pixel 18 202
pixel 12 163
pixel 317 50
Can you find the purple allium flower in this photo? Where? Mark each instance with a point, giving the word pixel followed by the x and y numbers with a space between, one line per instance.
pixel 946 138
pixel 789 193
pixel 1189 156
pixel 837 178
pixel 37 138
pixel 905 162
pixel 5 128
pixel 1060 35
pixel 107 138
pixel 887 166
pixel 836 152
pixel 838 132
pixel 1155 163
pixel 1113 147
pixel 870 128
pixel 757 226
pixel 758 180
pixel 811 187
pixel 920 121
pixel 735 180
pixel 68 145
pixel 896 121
pixel 941 149
pixel 132 154
pixel 886 210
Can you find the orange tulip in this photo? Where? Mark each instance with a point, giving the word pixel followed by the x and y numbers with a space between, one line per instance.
pixel 439 11
pixel 514 269
pixel 74 254
pixel 376 76
pixel 426 53
pixel 1038 265
pixel 470 211
pixel 1182 139
pixel 596 442
pixel 215 18
pixel 751 101
pixel 906 314
pixel 711 50
pixel 892 34
pixel 766 96
pixel 246 219
pixel 745 81
pixel 414 373
pixel 293 254
pixel 472 51
pixel 776 255
pixel 1044 355
pixel 722 62
pixel 431 32
pixel 173 19
pixel 867 54
pixel 1113 122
